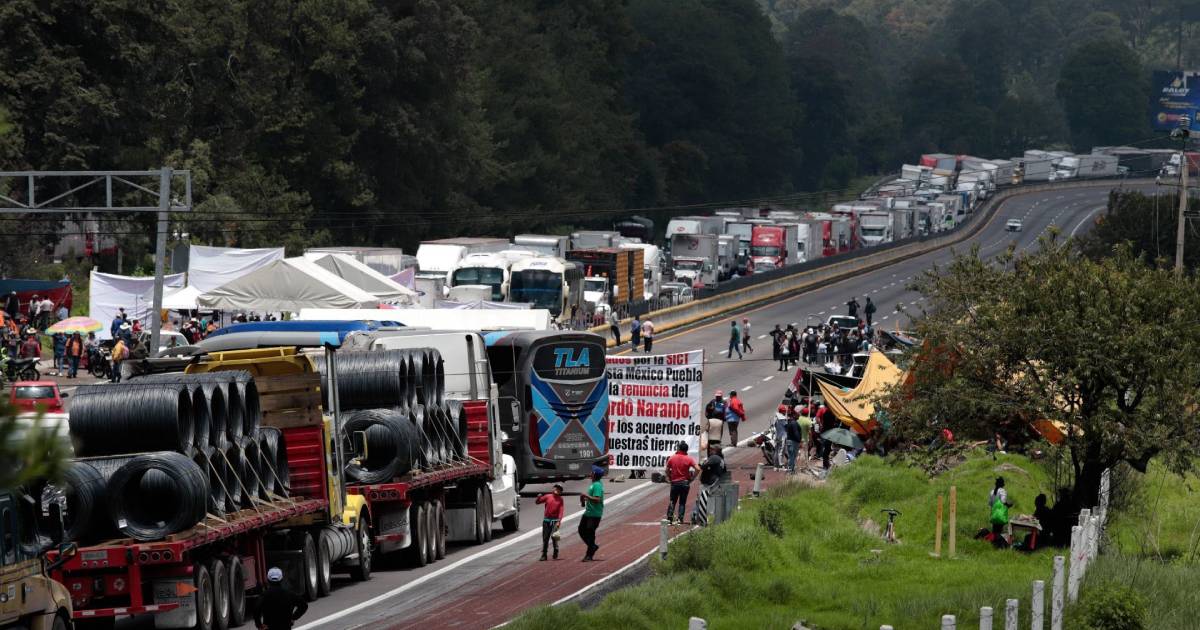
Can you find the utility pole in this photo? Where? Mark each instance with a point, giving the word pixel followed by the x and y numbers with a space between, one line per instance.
pixel 1184 166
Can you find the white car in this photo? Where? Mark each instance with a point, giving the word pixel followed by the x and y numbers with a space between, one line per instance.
pixel 1013 225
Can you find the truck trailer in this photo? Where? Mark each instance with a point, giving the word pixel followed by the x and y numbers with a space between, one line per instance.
pixel 694 259
pixel 624 269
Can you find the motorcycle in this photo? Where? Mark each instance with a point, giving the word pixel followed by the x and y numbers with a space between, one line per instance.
pixel 768 444
pixel 19 369
pixel 99 361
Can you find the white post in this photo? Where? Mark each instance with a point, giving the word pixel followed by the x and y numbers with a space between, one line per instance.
pixel 758 477
pixel 663 536
pixel 1056 597
pixel 886 628
pixel 985 618
pixel 696 623
pixel 1037 605
pixel 948 622
pixel 1076 564
pixel 1094 539
pixel 1010 615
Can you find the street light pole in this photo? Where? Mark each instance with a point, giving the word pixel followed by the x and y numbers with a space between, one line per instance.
pixel 1184 167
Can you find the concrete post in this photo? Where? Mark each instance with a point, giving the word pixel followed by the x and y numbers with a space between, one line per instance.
pixel 1076 564
pixel 758 479
pixel 886 628
pixel 985 618
pixel 696 623
pixel 1094 538
pixel 948 622
pixel 1056 597
pixel 1010 614
pixel 1037 605
pixel 663 536
pixel 160 255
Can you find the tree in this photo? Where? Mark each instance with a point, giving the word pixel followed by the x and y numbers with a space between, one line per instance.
pixel 1103 91
pixel 30 450
pixel 1144 223
pixel 1108 347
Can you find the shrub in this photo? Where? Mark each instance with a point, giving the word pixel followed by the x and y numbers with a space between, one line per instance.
pixel 1113 606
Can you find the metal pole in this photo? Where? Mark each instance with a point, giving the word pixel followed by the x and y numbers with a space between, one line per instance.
pixel 1185 166
pixel 160 255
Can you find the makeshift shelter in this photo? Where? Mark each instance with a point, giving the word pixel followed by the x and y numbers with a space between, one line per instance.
pixel 184 299
pixel 482 305
pixel 441 318
pixel 109 292
pixel 287 285
pixel 212 267
pixel 364 277
pixel 59 292
pixel 855 408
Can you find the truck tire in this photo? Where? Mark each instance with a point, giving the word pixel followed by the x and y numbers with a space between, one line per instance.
pixel 487 510
pixel 480 516
pixel 324 564
pixel 237 590
pixel 220 581
pixel 309 549
pixel 431 531
pixel 60 622
pixel 512 522
pixel 418 551
pixel 364 548
pixel 441 529
pixel 204 598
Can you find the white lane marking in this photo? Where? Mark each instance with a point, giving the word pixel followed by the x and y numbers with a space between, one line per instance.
pixel 821 313
pixel 747 388
pixel 1089 215
pixel 454 565
pixel 885 317
pixel 762 336
pixel 610 576
pixel 768 378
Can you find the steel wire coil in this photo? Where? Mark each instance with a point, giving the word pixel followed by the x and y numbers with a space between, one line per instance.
pixel 454 433
pixel 209 459
pixel 251 473
pixel 392 444
pixel 240 392
pixel 272 444
pixel 439 378
pixel 235 459
pixel 82 492
pixel 121 419
pixel 454 412
pixel 266 466
pixel 154 495
pixel 201 418
pixel 429 454
pixel 437 423
pixel 372 380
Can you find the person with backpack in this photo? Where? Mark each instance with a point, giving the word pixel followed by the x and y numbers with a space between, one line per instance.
pixel 711 473
pixel 735 414
pixel 869 310
pixel 680 470
pixel 735 340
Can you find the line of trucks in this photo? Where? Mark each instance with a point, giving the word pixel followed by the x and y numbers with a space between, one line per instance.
pixel 207 576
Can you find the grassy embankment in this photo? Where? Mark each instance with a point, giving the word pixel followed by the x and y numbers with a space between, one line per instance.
pixel 804 553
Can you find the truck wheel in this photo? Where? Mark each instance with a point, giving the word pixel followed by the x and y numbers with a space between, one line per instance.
pixel 220 581
pixel 204 598
pixel 363 547
pixel 417 549
pixel 480 516
pixel 60 623
pixel 324 562
pixel 512 522
pixel 309 574
pixel 431 532
pixel 487 510
pixel 441 529
pixel 237 591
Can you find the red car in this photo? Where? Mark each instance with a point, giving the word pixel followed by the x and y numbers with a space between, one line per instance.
pixel 33 396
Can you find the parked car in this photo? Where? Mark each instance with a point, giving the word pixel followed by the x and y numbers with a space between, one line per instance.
pixel 842 322
pixel 1013 225
pixel 675 293
pixel 34 396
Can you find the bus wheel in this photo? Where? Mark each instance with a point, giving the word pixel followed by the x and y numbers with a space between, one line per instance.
pixel 418 551
pixel 480 518
pixel 364 547
pixel 441 529
pixel 237 591
pixel 220 582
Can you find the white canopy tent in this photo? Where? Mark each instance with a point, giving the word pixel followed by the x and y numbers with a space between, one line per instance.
pixel 364 277
pixel 183 299
pixel 212 267
pixel 108 292
pixel 440 318
pixel 287 286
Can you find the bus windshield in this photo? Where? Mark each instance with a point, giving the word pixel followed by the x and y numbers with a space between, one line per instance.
pixel 541 288
pixel 488 276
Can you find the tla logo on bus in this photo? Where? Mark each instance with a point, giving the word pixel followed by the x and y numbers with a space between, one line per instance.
pixel 568 358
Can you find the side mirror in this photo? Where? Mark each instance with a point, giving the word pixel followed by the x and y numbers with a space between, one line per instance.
pixel 65 552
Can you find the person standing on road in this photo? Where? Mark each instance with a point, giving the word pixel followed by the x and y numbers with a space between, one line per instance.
pixel 869 310
pixel 74 353
pixel 680 471
pixel 735 339
pixel 551 518
pixel 278 607
pixel 59 341
pixel 615 327
pixel 119 352
pixel 648 334
pixel 778 346
pixel 711 472
pixel 735 414
pixel 746 347
pixel 852 307
pixel 635 333
pixel 593 510
pixel 715 409
pixel 794 440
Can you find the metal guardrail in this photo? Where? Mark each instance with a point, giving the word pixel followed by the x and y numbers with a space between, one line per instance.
pixel 748 291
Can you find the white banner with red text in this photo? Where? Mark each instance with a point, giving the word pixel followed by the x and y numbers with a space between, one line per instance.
pixel 654 402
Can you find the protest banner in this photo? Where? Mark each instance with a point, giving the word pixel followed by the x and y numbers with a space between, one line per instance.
pixel 655 402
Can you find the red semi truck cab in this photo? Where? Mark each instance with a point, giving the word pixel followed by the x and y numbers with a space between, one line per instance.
pixel 767 248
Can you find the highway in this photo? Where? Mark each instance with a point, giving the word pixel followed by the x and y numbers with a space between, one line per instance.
pixel 479 587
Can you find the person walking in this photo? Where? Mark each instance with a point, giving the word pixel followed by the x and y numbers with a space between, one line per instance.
pixel 74 352
pixel 119 352
pixel 648 334
pixel 746 347
pixel 680 470
pixel 779 347
pixel 593 510
pixel 869 310
pixel 614 326
pixel 31 348
pixel 59 341
pixel 735 414
pixel 551 518
pixel 278 607
pixel 794 440
pixel 735 339
pixel 711 472
pixel 852 307
pixel 635 333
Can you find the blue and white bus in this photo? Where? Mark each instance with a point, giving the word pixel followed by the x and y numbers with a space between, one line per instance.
pixel 553 401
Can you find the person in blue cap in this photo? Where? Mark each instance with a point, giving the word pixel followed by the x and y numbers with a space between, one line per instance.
pixel 593 509
pixel 278 607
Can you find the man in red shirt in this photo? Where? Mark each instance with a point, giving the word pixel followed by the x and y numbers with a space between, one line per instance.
pixel 551 519
pixel 681 468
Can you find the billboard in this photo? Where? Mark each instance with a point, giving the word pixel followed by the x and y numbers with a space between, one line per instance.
pixel 655 402
pixel 1174 93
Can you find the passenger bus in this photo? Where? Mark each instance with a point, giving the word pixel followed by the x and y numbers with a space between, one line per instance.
pixel 548 283
pixel 553 401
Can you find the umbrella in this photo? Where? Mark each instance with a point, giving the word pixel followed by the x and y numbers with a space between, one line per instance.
pixel 843 437
pixel 79 325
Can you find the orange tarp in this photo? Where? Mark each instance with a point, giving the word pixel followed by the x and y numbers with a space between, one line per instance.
pixel 855 408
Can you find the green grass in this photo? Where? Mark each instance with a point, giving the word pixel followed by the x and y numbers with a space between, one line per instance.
pixel 822 568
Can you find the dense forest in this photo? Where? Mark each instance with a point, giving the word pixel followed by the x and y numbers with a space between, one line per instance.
pixel 372 122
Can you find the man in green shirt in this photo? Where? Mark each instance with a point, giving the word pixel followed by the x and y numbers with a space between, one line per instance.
pixel 593 508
